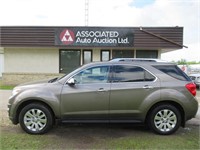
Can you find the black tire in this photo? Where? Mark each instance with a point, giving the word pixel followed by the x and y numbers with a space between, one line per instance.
pixel 36 118
pixel 164 119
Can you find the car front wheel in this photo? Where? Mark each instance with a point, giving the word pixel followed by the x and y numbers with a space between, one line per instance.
pixel 35 118
pixel 164 119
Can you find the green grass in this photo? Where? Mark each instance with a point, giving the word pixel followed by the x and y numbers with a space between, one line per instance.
pixel 6 87
pixel 22 141
pixel 154 142
pixel 99 138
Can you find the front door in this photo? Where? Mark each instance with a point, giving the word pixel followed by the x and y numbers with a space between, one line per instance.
pixel 88 99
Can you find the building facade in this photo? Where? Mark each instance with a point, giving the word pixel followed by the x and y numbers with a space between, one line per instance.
pixel 31 53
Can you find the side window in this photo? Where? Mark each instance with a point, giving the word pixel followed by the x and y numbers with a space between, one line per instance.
pixel 148 76
pixel 93 75
pixel 173 71
pixel 124 73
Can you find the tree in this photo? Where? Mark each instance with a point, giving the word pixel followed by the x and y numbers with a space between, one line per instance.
pixel 182 62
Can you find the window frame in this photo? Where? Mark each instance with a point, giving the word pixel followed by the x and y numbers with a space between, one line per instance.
pixel 60 51
pixel 102 54
pixel 123 51
pixel 83 55
pixel 148 52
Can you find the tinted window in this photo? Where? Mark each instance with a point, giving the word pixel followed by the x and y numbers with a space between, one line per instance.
pixel 146 54
pixel 93 75
pixel 131 74
pixel 69 60
pixel 123 53
pixel 173 71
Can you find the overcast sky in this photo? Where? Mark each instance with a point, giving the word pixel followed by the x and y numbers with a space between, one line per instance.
pixel 151 13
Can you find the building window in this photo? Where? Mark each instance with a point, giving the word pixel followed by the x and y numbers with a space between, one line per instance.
pixel 123 54
pixel 146 54
pixel 105 55
pixel 69 60
pixel 87 56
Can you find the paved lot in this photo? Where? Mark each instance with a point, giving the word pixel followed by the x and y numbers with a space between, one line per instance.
pixel 4 96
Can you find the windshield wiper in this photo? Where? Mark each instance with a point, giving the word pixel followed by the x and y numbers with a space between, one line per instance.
pixel 53 80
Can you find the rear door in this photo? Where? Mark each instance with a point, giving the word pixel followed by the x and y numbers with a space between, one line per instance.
pixel 131 85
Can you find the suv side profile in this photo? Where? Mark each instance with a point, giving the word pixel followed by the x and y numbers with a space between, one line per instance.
pixel 157 94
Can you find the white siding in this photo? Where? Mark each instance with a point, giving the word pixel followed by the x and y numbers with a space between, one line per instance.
pixel 31 60
pixel 1 61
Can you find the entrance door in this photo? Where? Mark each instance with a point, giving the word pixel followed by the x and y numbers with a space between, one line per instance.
pixel 69 60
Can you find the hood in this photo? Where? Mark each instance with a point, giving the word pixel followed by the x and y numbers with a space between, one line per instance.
pixel 35 83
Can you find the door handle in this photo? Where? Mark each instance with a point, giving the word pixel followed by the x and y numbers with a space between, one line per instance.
pixel 101 90
pixel 147 87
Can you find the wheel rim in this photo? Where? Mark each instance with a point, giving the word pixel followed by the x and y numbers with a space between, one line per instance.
pixel 35 120
pixel 165 120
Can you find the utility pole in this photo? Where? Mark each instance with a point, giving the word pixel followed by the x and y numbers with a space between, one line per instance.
pixel 86 12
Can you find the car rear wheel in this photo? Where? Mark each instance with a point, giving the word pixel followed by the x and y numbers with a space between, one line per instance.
pixel 164 119
pixel 35 118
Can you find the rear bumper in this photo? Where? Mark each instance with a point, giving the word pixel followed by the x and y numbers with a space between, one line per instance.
pixel 192 109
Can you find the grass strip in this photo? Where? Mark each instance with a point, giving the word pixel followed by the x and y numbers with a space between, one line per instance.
pixel 6 87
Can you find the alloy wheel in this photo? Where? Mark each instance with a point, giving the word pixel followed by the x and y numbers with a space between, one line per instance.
pixel 35 120
pixel 165 120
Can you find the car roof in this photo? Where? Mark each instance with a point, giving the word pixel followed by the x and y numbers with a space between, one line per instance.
pixel 137 59
pixel 130 62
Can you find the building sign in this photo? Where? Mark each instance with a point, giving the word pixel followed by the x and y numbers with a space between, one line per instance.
pixel 94 36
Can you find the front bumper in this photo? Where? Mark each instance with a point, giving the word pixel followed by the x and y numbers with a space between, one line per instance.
pixel 11 115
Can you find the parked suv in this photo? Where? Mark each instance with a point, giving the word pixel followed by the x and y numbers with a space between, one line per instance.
pixel 157 94
pixel 196 79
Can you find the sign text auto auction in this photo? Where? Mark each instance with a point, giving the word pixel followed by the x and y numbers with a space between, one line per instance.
pixel 106 37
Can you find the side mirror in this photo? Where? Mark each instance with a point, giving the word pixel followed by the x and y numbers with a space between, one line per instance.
pixel 71 81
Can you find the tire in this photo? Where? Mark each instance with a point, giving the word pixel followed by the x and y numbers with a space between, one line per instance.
pixel 35 118
pixel 164 119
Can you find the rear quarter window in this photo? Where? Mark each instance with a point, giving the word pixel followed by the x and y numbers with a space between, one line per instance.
pixel 173 71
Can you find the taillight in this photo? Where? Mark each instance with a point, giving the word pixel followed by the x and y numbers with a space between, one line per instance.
pixel 191 88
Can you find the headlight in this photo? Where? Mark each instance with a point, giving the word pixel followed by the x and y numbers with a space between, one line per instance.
pixel 15 91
